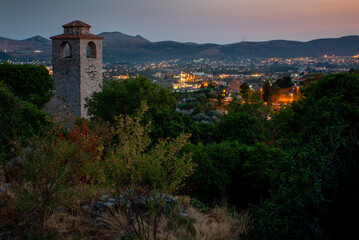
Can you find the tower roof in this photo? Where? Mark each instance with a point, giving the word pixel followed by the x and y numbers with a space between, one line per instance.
pixel 71 31
pixel 76 23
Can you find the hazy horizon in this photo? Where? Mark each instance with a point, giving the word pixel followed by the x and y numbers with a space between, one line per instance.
pixel 195 42
pixel 199 21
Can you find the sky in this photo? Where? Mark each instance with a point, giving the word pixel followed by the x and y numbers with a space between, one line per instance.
pixel 200 21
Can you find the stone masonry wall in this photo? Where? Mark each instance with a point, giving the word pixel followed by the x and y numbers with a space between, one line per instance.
pixel 67 74
pixel 76 78
pixel 91 71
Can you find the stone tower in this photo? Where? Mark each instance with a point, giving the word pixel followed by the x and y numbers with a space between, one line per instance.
pixel 77 65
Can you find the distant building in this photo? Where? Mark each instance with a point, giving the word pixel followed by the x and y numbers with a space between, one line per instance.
pixel 234 86
pixel 158 74
pixel 198 73
pixel 77 65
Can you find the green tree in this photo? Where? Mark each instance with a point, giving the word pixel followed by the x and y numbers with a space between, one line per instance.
pixel 241 127
pixel 244 88
pixel 238 173
pixel 319 178
pixel 284 82
pixel 19 121
pixel 267 92
pixel 30 83
pixel 212 178
pixel 125 97
pixel 313 77
pixel 170 123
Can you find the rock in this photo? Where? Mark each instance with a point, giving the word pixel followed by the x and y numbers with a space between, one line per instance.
pixel 2 190
pixel 104 198
pixel 105 201
pixel 110 204
pixel 183 214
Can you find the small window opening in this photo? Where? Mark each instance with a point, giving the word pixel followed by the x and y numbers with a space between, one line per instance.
pixel 66 50
pixel 91 50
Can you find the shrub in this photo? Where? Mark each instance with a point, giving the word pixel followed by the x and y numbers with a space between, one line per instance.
pixel 51 164
pixel 86 159
pixel 142 177
pixel 45 176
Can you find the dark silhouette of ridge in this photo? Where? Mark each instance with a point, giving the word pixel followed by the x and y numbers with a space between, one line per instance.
pixel 119 47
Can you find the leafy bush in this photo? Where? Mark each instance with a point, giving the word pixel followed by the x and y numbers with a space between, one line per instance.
pixel 45 175
pixel 52 163
pixel 86 164
pixel 142 177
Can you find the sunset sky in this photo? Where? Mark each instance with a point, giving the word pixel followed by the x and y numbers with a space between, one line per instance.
pixel 216 21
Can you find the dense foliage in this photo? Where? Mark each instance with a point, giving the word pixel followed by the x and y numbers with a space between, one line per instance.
pixel 295 169
pixel 18 122
pixel 284 82
pixel 30 83
pixel 317 188
pixel 125 97
pixel 239 173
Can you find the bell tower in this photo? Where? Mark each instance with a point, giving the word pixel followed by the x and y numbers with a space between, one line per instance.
pixel 77 65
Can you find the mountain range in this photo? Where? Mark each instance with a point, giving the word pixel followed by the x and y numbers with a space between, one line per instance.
pixel 119 47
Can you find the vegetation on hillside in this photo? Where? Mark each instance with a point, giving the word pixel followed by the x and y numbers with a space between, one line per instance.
pixel 139 169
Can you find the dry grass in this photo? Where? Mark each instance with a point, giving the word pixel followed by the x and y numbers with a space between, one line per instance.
pixel 217 224
pixel 70 226
pixel 117 223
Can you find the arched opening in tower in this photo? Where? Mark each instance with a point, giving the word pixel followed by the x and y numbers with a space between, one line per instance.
pixel 91 50
pixel 66 50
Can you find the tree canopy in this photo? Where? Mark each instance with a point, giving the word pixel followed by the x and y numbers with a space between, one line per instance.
pixel 125 97
pixel 18 121
pixel 30 83
pixel 284 82
pixel 244 88
pixel 321 174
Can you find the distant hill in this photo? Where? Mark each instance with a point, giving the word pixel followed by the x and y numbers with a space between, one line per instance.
pixel 118 47
pixel 25 49
pixel 30 44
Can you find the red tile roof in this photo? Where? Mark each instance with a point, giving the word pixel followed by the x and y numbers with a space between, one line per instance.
pixel 76 23
pixel 84 36
pixel 234 85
